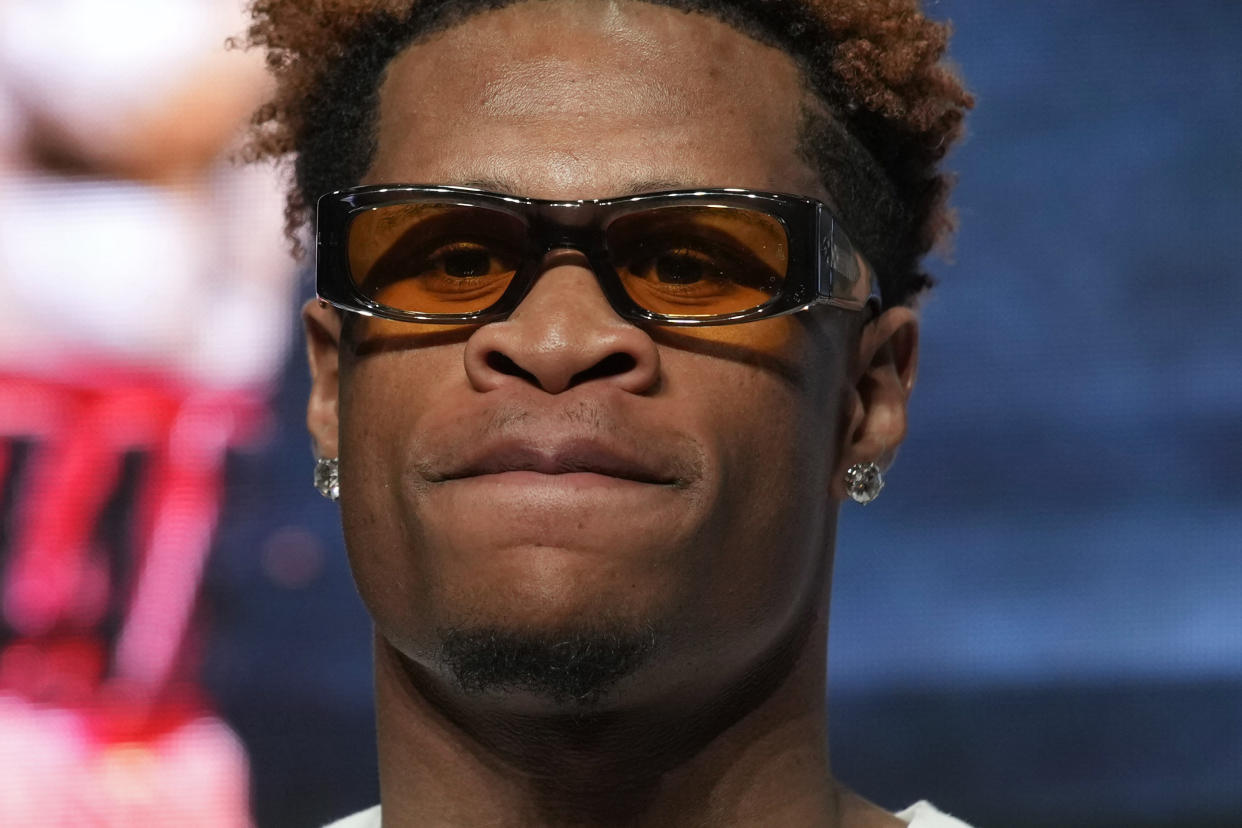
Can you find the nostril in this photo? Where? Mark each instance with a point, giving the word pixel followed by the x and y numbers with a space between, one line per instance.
pixel 611 365
pixel 502 364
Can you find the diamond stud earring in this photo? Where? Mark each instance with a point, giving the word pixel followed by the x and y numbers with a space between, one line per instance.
pixel 328 477
pixel 863 481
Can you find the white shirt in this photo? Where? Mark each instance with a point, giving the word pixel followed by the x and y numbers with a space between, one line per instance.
pixel 918 815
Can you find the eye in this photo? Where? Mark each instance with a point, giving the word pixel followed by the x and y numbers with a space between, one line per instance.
pixel 699 265
pixel 452 247
pixel 456 264
pixel 698 260
pixel 682 267
pixel 462 260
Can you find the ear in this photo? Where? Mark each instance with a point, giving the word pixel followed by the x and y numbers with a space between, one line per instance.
pixel 322 325
pixel 883 372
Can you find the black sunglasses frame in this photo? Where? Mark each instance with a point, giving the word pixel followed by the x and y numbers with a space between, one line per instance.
pixel 824 267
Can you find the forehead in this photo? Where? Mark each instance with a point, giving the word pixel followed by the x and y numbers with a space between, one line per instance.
pixel 589 99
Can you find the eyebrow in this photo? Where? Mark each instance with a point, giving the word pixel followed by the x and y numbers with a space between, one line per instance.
pixel 647 185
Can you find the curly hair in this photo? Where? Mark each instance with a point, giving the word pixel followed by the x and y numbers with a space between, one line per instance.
pixel 890 107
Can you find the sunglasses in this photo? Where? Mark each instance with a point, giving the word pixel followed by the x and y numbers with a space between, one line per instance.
pixel 456 255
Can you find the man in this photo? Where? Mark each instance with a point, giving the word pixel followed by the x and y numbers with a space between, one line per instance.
pixel 592 442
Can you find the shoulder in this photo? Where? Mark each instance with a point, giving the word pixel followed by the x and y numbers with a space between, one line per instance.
pixel 370 818
pixel 924 815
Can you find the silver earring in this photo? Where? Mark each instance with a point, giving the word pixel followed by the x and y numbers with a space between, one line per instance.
pixel 328 477
pixel 863 481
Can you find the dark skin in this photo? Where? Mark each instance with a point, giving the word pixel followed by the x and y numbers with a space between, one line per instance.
pixel 748 430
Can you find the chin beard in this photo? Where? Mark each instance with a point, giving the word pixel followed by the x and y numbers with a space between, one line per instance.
pixel 572 667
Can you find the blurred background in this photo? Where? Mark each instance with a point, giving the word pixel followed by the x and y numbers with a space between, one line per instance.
pixel 1038 624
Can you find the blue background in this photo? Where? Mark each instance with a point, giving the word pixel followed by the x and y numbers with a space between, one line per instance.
pixel 1040 622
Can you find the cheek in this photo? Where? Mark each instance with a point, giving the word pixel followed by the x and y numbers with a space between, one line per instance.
pixel 771 393
pixel 384 397
pixel 772 441
pixel 780 338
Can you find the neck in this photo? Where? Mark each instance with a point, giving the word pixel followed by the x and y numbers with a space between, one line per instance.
pixel 754 753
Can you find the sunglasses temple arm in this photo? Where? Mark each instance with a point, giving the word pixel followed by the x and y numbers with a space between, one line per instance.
pixel 845 278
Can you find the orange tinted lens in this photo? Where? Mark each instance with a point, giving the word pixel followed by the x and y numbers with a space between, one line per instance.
pixel 699 260
pixel 434 258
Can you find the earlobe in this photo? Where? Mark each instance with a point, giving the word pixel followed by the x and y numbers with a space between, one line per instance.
pixel 322 325
pixel 885 366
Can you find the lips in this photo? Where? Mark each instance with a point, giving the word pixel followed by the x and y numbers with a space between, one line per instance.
pixel 576 457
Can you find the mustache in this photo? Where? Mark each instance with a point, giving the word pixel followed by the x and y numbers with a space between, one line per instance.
pixel 583 414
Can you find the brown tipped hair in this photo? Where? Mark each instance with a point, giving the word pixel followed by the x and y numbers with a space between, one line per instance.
pixel 884 108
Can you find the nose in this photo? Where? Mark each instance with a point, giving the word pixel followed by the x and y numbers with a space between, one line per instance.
pixel 562 335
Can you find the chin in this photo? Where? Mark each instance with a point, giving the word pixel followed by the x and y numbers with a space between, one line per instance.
pixel 547 588
pixel 542 630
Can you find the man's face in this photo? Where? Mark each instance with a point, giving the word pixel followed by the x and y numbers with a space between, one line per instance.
pixel 564 473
